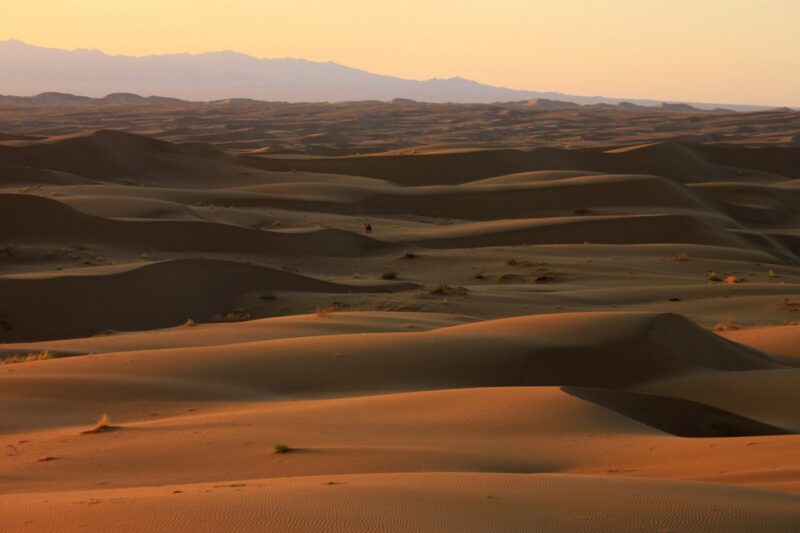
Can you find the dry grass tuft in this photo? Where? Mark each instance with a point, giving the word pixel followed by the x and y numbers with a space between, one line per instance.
pixel 681 256
pixel 726 324
pixel 327 311
pixel 236 316
pixel 189 323
pixel 103 425
pixel 712 276
pixel 26 358
pixel 443 289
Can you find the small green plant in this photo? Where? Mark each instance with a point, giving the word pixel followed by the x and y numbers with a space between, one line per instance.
pixel 281 448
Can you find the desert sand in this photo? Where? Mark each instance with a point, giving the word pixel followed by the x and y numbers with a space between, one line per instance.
pixel 589 328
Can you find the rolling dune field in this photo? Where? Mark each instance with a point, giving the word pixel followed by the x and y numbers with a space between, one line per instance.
pixel 575 320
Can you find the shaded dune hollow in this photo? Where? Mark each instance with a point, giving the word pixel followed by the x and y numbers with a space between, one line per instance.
pixel 679 417
pixel 153 295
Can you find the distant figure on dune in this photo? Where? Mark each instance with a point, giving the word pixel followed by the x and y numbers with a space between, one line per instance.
pixel 367 228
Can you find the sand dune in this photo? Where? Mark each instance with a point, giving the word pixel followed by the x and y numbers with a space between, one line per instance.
pixel 220 333
pixel 676 416
pixel 669 159
pixel 114 154
pixel 542 429
pixel 122 207
pixel 627 229
pixel 26 177
pixel 454 317
pixel 111 154
pixel 415 502
pixel 614 350
pixel 768 396
pixel 781 342
pixel 155 295
pixel 36 219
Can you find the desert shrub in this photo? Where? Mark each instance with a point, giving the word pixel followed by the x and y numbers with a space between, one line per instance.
pixel 24 358
pixel 281 448
pixel 235 316
pixel 103 424
pixel 443 289
pixel 327 311
pixel 727 323
pixel 511 278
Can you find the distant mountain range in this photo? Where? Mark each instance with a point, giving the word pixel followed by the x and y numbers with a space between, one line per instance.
pixel 29 70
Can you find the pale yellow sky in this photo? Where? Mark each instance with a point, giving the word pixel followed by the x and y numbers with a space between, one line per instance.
pixel 728 51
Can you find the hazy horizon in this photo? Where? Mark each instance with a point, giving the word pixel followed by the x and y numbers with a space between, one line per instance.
pixel 736 53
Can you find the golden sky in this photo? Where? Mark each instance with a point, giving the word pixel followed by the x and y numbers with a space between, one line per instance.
pixel 728 51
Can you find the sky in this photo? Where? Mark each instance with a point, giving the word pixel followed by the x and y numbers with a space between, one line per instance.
pixel 726 51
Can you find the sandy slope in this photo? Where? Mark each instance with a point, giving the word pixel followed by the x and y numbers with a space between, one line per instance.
pixel 590 339
pixel 414 502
